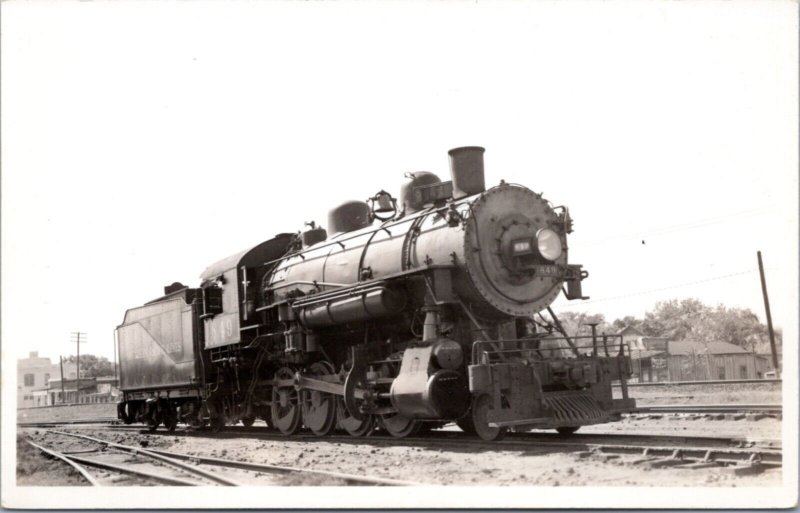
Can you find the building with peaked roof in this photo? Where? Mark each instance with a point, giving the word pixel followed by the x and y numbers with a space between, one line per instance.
pixel 630 336
pixel 660 359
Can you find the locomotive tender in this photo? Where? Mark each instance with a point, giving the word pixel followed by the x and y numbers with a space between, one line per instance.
pixel 405 314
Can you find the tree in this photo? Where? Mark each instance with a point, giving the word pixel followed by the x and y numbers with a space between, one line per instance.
pixel 93 366
pixel 691 319
pixel 675 320
pixel 576 323
pixel 627 321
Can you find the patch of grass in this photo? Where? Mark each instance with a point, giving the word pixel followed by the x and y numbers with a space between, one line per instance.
pixel 35 468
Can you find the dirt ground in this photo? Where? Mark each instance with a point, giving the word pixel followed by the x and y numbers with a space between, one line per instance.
pixel 430 463
pixel 718 393
pixel 36 469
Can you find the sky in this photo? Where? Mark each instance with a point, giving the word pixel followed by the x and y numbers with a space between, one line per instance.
pixel 144 141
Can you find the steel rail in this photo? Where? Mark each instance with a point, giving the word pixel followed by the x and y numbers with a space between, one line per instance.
pixel 175 459
pixel 701 383
pixel 127 470
pixel 514 441
pixel 69 461
pixel 136 450
pixel 708 408
pixel 45 423
pixel 259 467
pixel 707 454
pixel 443 437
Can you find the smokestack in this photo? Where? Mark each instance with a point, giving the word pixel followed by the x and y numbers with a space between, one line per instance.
pixel 466 170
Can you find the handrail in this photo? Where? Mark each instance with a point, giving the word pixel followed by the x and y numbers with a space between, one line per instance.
pixel 496 347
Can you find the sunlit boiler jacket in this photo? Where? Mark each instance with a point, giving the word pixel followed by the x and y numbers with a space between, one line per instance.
pixel 507 244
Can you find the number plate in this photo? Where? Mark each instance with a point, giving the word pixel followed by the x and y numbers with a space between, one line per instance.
pixel 548 270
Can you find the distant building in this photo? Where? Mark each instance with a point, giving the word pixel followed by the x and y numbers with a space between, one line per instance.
pixel 39 384
pixel 93 390
pixel 636 343
pixel 33 375
pixel 658 359
pixel 630 336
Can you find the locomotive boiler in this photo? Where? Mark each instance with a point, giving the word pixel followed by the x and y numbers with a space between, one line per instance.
pixel 405 314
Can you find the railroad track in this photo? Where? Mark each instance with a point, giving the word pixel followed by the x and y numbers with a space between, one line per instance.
pixel 513 441
pixel 772 409
pixel 739 456
pixel 452 437
pixel 766 409
pixel 94 420
pixel 187 467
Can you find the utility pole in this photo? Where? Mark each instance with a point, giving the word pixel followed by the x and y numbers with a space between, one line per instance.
pixel 76 337
pixel 769 317
pixel 61 363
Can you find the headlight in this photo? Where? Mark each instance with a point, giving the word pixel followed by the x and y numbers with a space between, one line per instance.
pixel 548 243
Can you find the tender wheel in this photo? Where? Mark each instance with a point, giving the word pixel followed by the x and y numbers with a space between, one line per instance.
pixel 216 417
pixel 352 425
pixel 466 425
pixel 399 426
pixel 248 421
pixel 171 420
pixel 196 418
pixel 286 411
pixel 567 430
pixel 480 408
pixel 124 413
pixel 319 408
pixel 153 420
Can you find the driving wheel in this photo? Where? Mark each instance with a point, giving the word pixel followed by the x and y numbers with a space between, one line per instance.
pixel 353 426
pixel 319 408
pixel 399 426
pixel 286 411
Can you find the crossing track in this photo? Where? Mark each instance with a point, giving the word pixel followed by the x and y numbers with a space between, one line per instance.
pixel 190 464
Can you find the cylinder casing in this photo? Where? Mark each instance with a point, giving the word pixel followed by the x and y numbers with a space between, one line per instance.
pixel 423 391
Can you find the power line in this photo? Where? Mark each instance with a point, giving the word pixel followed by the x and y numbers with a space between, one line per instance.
pixel 725 276
pixel 674 228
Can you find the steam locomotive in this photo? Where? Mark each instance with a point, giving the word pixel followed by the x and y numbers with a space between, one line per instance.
pixel 404 315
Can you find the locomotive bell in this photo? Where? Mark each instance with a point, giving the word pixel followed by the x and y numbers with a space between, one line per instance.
pixel 383 203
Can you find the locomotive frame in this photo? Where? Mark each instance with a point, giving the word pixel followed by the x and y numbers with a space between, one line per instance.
pixel 414 313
